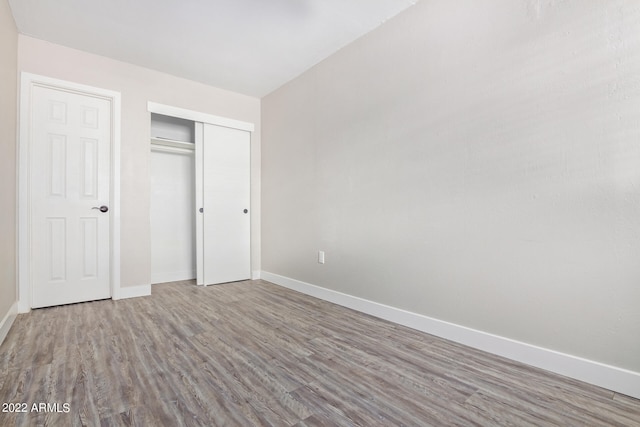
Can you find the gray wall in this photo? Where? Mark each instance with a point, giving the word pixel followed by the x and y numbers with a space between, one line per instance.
pixel 8 111
pixel 473 161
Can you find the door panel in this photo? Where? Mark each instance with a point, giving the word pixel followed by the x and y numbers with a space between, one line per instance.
pixel 70 150
pixel 224 159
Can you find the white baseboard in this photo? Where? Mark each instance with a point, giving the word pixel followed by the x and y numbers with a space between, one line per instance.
pixel 133 292
pixel 174 276
pixel 7 321
pixel 23 306
pixel 610 377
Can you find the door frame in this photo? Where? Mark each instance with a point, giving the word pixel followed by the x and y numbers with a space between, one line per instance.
pixel 28 81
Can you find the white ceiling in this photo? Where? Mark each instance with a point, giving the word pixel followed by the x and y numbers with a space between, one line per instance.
pixel 246 46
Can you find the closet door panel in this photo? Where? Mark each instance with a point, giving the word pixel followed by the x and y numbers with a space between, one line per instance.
pixel 199 207
pixel 226 197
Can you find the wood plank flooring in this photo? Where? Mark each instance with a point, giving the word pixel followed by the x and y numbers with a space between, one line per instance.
pixel 255 354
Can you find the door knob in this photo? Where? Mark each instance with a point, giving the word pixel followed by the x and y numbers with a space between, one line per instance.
pixel 102 208
pixel 245 211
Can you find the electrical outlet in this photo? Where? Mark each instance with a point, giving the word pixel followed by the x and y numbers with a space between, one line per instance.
pixel 321 257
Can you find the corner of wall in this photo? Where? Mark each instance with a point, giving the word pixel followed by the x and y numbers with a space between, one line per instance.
pixel 8 169
pixel 7 321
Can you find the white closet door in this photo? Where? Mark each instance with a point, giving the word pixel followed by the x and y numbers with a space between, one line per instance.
pixel 223 163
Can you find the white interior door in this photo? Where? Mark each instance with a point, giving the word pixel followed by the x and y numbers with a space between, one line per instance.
pixel 224 234
pixel 70 164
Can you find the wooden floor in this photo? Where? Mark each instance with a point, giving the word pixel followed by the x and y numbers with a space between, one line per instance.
pixel 252 353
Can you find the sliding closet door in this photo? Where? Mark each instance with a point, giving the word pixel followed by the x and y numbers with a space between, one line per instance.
pixel 223 166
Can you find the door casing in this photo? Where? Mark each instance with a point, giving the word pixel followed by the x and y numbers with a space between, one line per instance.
pixel 28 81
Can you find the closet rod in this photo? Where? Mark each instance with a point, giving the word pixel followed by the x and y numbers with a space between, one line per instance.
pixel 172 142
pixel 170 145
pixel 167 149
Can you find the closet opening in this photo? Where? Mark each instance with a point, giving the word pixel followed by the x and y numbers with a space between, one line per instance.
pixel 200 197
pixel 173 228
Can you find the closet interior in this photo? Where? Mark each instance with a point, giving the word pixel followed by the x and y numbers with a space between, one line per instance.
pixel 173 223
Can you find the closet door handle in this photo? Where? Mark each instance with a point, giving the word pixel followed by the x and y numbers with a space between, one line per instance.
pixel 245 211
pixel 201 210
pixel 102 208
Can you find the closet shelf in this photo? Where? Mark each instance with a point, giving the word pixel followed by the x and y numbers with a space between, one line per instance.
pixel 165 142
